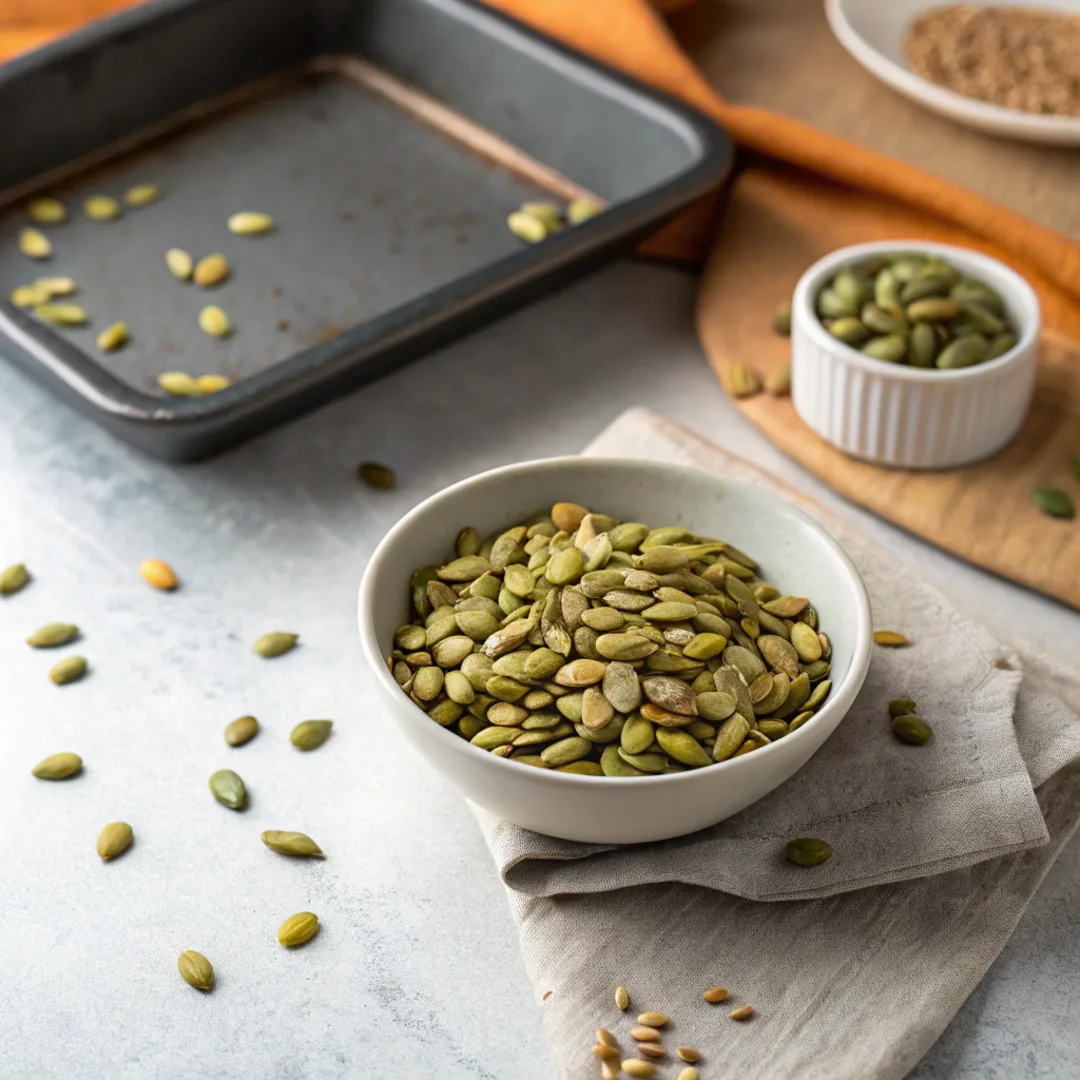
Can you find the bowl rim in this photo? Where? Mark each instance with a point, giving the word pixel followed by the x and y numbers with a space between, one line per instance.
pixel 855 674
pixel 951 102
pixel 1022 295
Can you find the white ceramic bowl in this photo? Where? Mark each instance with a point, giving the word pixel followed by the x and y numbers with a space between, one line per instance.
pixel 787 543
pixel 874 31
pixel 914 418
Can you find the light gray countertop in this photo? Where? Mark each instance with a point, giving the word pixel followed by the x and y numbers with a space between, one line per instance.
pixel 416 971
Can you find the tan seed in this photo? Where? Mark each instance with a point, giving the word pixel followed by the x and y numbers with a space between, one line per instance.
pixel 178 383
pixel 211 270
pixel 688 1054
pixel 644 1034
pixel 142 194
pixel 567 516
pixel 605 1052
pixel 180 263
pixel 689 1073
pixel 743 381
pixel 622 998
pixel 637 1067
pixel 196 970
pixel 889 638
pixel 250 223
pixel 214 321
pixel 651 1050
pixel 58 766
pixel 46 211
pixel 113 337
pixel 715 994
pixel 604 1036
pixel 68 670
pixel 298 929
pixel 778 381
pixel 310 734
pixel 211 384
pixel 652 1019
pixel 744 1012
pixel 34 244
pixel 609 1070
pixel 114 839
pixel 101 208
pixel 158 574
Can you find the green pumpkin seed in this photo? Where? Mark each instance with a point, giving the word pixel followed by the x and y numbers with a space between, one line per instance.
pixel 1000 344
pixel 58 766
pixel 68 670
pixel 808 851
pixel 114 840
pixel 773 729
pixel 13 579
pixel 902 706
pixel 242 730
pixel 228 789
pixel 310 734
pixel 196 970
pixel 922 346
pixel 298 929
pixel 818 694
pixel 275 644
pixel 912 729
pixel 781 320
pixel 565 751
pixel 963 352
pixel 849 330
pixel 799 720
pixel 683 747
pixel 1054 502
pixel 291 843
pixel 644 763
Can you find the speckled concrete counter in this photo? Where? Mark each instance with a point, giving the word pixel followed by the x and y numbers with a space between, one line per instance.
pixel 416 972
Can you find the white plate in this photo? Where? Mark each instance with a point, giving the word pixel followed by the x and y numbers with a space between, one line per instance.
pixel 873 31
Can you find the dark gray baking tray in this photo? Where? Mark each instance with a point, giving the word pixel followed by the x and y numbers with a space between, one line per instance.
pixel 388 139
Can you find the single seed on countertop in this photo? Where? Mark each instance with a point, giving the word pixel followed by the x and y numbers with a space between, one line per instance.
pixel 46 211
pixel 212 384
pixel 889 638
pixel 744 1012
pixel 638 1068
pixel 13 579
pixel 228 789
pixel 687 1053
pixel 214 321
pixel 34 244
pixel 622 998
pixel 114 839
pixel 527 227
pixel 58 766
pixel 211 270
pixel 581 210
pixel 28 296
pixel 68 670
pixel 298 929
pixel 178 383
pixel 180 263
pixel 689 1073
pixel 159 574
pixel 142 194
pixel 379 477
pixel 242 730
pixel 102 208
pixel 652 1019
pixel 291 843
pixel 275 644
pixel 250 223
pixel 715 994
pixel 53 634
pixel 604 1036
pixel 113 337
pixel 310 734
pixel 605 1052
pixel 196 970
pixel 56 286
pixel 61 314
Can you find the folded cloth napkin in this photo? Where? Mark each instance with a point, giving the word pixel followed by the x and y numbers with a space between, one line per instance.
pixel 937 851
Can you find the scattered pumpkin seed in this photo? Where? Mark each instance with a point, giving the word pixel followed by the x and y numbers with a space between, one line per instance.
pixel 13 579
pixel 211 270
pixel 311 734
pixel 28 296
pixel 196 970
pixel 379 477
pixel 778 381
pixel 781 320
pixel 52 635
pixel 527 227
pixel 250 223
pixel 228 789
pixel 142 195
pixel 808 851
pixel 46 211
pixel 158 574
pixel 214 321
pixel 902 706
pixel 298 929
pixel 743 381
pixel 275 644
pixel 58 766
pixel 61 314
pixel 113 337
pixel 580 210
pixel 715 994
pixel 68 670
pixel 890 638
pixel 622 998
pixel 212 384
pixel 744 1012
pixel 114 840
pixel 1054 502
pixel 912 729
pixel 34 244
pixel 180 263
pixel 242 730
pixel 101 208
pixel 291 843
pixel 178 383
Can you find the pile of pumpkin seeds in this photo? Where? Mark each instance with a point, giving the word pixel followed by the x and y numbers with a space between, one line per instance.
pixel 577 642
pixel 536 221
pixel 916 310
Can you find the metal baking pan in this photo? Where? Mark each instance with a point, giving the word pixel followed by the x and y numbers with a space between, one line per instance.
pixel 387 138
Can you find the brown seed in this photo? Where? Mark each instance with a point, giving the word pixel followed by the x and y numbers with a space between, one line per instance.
pixel 601 1050
pixel 567 516
pixel 211 270
pixel 637 1067
pixel 652 1019
pixel 688 1054
pixel 242 730
pixel 547 994
pixel 744 1012
pixel 159 574
pixel 715 994
pixel 889 638
pixel 652 1050
pixel 604 1036
pixel 644 1034
pixel 379 477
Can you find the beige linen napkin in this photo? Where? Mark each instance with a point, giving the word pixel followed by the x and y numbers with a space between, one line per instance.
pixel 914 905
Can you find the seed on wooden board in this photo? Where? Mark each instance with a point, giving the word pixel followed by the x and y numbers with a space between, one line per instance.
pixel 743 381
pixel 46 211
pixel 377 476
pixel 211 270
pixel 142 195
pixel 688 1053
pixel 744 1012
pixel 781 320
pixel 53 635
pixel 275 644
pixel 58 766
pixel 180 263
pixel 889 638
pixel 298 929
pixel 158 574
pixel 778 381
pixel 13 579
pixel 250 223
pixel 196 970
pixel 34 244
pixel 242 730
pixel 214 321
pixel 1054 502
pixel 114 840
pixel 622 998
pixel 113 337
pixel 101 208
pixel 714 994
pixel 68 670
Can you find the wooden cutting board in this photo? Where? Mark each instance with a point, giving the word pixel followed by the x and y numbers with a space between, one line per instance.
pixel 775 225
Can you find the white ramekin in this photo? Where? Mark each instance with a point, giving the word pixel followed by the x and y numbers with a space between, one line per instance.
pixel 913 418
